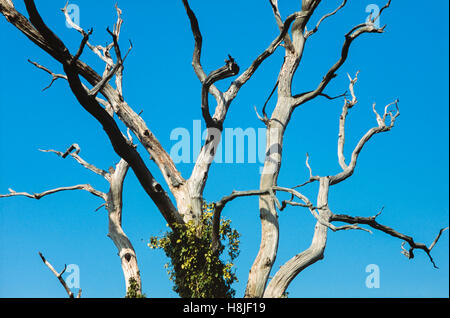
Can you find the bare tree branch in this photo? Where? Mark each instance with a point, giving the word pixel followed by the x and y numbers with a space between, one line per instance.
pixel 347 105
pixel 120 107
pixel 383 126
pixel 196 63
pixel 372 222
pixel 279 120
pixel 124 112
pixel 437 238
pixel 57 76
pixel 80 160
pixel 100 85
pixel 248 73
pixel 311 176
pixel 105 56
pixel 311 179
pixel 281 280
pixel 220 205
pixel 276 13
pixel 280 23
pixel 116 104
pixel 113 204
pixel 229 69
pixel 198 177
pixel 324 215
pixel 59 276
pixel 265 118
pixel 37 196
pixel 115 35
pixel 315 211
pixel 82 45
pixel 349 38
pixel 309 33
pixel 381 11
pixel 120 144
pixel 54 76
pixel 69 21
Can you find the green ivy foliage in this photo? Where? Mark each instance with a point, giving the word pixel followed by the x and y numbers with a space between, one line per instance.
pixel 195 270
pixel 133 289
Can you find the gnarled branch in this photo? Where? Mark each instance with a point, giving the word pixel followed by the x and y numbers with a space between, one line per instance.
pixel 229 69
pixel 196 63
pixel 119 143
pixel 373 223
pixel 382 127
pixel 353 34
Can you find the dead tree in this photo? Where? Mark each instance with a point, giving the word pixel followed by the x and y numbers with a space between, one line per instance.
pixel 188 192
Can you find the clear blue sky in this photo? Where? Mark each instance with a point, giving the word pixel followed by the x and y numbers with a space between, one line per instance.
pixel 405 170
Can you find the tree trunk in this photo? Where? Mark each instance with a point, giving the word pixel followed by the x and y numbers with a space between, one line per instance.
pixel 116 234
pixel 276 127
pixel 279 283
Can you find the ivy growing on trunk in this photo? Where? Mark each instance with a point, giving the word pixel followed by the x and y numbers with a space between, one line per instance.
pixel 195 269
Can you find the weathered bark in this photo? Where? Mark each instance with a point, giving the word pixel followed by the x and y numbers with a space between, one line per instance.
pixel 197 181
pixel 276 127
pixel 188 193
pixel 114 207
pixel 40 34
pixel 269 219
pixel 214 124
pixel 279 283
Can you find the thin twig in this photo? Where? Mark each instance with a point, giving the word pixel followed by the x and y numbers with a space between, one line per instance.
pixel 308 34
pixel 59 276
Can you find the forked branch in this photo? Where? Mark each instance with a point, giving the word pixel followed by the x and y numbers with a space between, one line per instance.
pixel 80 160
pixel 385 123
pixel 280 23
pixel 59 276
pixel 353 34
pixel 58 76
pixel 220 205
pixel 234 88
pixel 54 76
